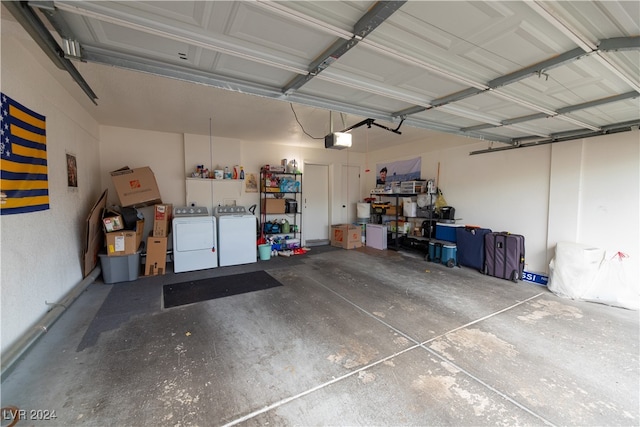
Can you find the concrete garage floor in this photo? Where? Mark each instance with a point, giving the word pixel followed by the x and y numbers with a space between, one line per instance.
pixel 358 337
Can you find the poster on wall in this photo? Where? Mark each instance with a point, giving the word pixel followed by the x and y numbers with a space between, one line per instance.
pixel 23 170
pixel 72 171
pixel 398 171
pixel 251 183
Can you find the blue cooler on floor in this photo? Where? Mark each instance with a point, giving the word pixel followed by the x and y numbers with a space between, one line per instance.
pixel 446 231
pixel 443 252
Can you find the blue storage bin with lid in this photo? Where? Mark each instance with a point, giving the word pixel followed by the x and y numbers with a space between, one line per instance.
pixel 447 231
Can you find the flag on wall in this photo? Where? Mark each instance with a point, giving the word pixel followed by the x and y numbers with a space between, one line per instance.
pixel 23 159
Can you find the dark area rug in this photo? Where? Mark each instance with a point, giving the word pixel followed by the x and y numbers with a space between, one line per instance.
pixel 217 287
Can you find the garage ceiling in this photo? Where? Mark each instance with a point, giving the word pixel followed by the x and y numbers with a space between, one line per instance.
pixel 514 73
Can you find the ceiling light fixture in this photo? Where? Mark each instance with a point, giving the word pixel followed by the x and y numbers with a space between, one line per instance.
pixel 342 139
pixel 338 140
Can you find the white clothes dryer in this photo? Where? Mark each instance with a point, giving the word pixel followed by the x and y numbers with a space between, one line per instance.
pixel 194 239
pixel 237 243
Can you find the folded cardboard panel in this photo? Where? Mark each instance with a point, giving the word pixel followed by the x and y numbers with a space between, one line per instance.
pixel 94 235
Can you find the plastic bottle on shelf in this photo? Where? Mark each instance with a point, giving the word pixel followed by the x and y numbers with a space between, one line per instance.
pixel 241 172
pixel 227 174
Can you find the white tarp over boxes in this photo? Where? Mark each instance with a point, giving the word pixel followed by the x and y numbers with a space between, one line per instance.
pixel 587 273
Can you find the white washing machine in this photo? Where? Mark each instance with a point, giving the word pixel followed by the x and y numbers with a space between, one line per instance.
pixel 194 239
pixel 237 242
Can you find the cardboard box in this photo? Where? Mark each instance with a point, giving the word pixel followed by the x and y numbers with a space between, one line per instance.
pixel 162 220
pixel 347 236
pixel 156 260
pixel 112 221
pixel 121 243
pixel 124 242
pixel 136 187
pixel 272 206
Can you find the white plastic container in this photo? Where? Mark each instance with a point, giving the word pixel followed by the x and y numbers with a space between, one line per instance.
pixel 363 210
pixel 410 209
pixel 376 236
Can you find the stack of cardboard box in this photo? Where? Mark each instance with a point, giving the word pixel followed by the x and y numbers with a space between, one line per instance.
pixel 157 241
pixel 122 261
pixel 123 226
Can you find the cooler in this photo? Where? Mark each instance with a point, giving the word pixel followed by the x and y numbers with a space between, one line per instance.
pixel 443 252
pixel 445 231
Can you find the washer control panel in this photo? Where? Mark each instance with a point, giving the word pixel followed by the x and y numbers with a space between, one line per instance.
pixel 190 211
pixel 230 210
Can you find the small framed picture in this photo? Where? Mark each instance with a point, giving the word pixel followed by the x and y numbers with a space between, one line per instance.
pixel 72 171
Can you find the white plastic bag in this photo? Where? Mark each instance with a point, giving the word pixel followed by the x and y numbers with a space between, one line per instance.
pixel 573 269
pixel 587 273
pixel 613 284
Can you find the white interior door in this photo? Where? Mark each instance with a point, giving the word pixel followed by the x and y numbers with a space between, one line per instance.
pixel 349 193
pixel 315 204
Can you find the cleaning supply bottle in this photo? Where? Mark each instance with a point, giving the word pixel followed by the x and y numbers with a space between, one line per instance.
pixel 286 228
pixel 241 172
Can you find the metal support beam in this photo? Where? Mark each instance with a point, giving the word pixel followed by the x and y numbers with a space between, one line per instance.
pixel 539 67
pixel 598 102
pixel 559 112
pixel 409 111
pixel 36 29
pixel 472 91
pixel 619 43
pixel 567 136
pixel 381 11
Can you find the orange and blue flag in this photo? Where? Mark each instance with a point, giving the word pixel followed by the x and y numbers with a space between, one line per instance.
pixel 23 159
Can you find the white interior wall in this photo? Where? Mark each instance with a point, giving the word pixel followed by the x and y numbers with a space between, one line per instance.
pixel 585 191
pixel 173 157
pixel 609 215
pixel 41 251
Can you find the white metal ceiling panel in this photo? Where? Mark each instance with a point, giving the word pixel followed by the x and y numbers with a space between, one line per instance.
pixel 491 104
pixel 621 111
pixel 504 132
pixel 440 54
pixel 366 64
pixel 476 40
pixel 599 19
pixel 550 125
pixel 439 116
pixel 344 93
pixel 272 31
pixel 239 68
pixel 577 82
